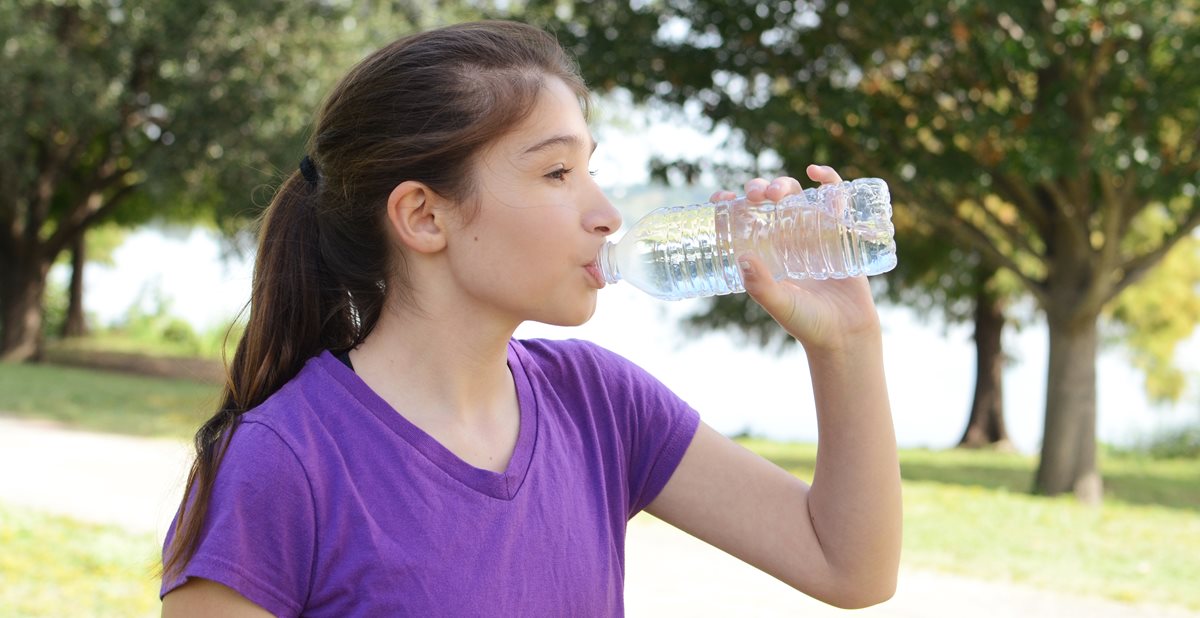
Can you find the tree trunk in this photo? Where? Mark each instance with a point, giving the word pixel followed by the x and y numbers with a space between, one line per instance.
pixel 22 287
pixel 75 324
pixel 1068 461
pixel 986 424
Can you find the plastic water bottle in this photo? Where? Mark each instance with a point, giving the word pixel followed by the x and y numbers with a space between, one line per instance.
pixel 833 231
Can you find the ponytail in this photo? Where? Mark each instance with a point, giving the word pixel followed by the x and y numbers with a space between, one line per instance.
pixel 295 312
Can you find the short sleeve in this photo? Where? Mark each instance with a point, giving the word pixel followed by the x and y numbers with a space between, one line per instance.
pixel 659 426
pixel 664 429
pixel 259 534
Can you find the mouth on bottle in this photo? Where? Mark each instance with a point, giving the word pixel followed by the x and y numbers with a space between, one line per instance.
pixel 606 263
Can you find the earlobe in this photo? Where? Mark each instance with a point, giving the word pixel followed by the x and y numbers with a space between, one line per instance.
pixel 414 219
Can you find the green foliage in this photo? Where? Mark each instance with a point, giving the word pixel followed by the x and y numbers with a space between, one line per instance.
pixel 180 101
pixel 101 242
pixel 1158 313
pixel 179 109
pixel 149 327
pixel 168 109
pixel 1019 132
pixel 1182 443
pixel 55 566
pixel 1176 443
pixel 54 306
pixel 158 324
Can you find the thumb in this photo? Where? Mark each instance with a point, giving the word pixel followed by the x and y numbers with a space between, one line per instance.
pixel 764 289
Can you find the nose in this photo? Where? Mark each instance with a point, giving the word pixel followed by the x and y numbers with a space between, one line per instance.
pixel 602 217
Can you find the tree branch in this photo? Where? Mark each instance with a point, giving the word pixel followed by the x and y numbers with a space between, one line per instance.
pixel 1012 234
pixel 1024 200
pixel 970 235
pixel 966 233
pixel 90 210
pixel 1137 268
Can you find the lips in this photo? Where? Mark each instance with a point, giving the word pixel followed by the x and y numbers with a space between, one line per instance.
pixel 593 270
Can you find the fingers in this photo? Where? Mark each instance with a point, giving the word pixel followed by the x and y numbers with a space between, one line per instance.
pixel 763 288
pixel 761 189
pixel 823 174
pixel 782 187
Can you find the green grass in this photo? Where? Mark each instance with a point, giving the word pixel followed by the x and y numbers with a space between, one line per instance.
pixel 969 512
pixel 209 345
pixel 106 401
pixel 52 563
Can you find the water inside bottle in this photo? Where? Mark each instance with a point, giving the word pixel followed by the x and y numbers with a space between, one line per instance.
pixel 690 251
pixel 679 257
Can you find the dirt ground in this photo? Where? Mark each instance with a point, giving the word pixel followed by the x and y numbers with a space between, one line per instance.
pixel 135 483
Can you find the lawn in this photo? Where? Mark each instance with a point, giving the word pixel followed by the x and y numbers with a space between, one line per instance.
pixel 51 563
pixel 966 512
pixel 969 512
pixel 106 401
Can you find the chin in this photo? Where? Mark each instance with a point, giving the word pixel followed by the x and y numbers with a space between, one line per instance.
pixel 578 317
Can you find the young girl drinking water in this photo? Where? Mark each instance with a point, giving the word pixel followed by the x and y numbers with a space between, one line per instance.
pixel 385 447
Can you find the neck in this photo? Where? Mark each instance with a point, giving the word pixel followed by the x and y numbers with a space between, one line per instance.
pixel 437 364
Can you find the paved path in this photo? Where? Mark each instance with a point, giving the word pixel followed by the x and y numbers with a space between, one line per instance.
pixel 135 483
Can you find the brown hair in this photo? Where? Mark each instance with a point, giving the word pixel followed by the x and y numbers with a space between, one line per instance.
pixel 420 109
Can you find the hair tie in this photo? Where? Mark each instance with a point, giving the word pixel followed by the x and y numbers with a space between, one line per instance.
pixel 309 170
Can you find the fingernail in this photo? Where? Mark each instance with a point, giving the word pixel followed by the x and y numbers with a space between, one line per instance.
pixel 773 186
pixel 747 268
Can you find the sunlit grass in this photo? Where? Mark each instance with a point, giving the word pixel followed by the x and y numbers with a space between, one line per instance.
pixel 106 401
pixel 54 566
pixel 970 512
pixel 114 341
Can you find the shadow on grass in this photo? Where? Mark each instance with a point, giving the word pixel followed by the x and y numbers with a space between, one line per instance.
pixel 1182 492
pixel 1165 483
pixel 1171 484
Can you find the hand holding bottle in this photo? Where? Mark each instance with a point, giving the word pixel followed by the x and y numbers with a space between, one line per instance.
pixel 822 314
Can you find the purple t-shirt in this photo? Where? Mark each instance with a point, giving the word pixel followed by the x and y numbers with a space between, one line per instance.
pixel 330 503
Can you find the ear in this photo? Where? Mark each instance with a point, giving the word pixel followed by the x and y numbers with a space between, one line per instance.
pixel 414 218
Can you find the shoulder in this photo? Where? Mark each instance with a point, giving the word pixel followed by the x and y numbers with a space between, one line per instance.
pixel 297 407
pixel 572 356
pixel 578 365
pixel 260 455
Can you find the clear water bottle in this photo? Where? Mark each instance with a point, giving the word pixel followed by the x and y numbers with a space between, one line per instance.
pixel 833 231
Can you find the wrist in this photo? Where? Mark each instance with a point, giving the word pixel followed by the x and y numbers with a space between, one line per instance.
pixel 869 339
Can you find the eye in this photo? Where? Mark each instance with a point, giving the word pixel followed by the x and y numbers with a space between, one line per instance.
pixel 593 172
pixel 559 174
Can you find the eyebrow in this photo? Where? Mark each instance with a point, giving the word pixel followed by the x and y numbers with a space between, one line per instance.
pixel 570 141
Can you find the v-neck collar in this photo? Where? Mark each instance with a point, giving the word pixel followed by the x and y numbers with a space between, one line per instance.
pixel 499 485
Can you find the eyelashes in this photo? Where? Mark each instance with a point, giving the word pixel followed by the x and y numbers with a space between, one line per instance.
pixel 561 174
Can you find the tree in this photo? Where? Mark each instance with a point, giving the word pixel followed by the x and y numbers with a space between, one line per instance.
pixel 162 109
pixel 1079 117
pixel 97 244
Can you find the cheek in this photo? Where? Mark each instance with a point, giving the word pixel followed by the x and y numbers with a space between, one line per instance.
pixel 502 255
pixel 519 249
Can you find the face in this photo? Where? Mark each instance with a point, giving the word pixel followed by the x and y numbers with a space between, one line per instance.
pixel 530 252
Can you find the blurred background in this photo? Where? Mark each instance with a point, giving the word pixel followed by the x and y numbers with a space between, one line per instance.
pixel 1041 349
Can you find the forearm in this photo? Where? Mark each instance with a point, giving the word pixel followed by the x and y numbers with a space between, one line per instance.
pixel 854 502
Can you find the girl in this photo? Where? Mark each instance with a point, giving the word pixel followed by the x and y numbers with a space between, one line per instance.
pixel 385 447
